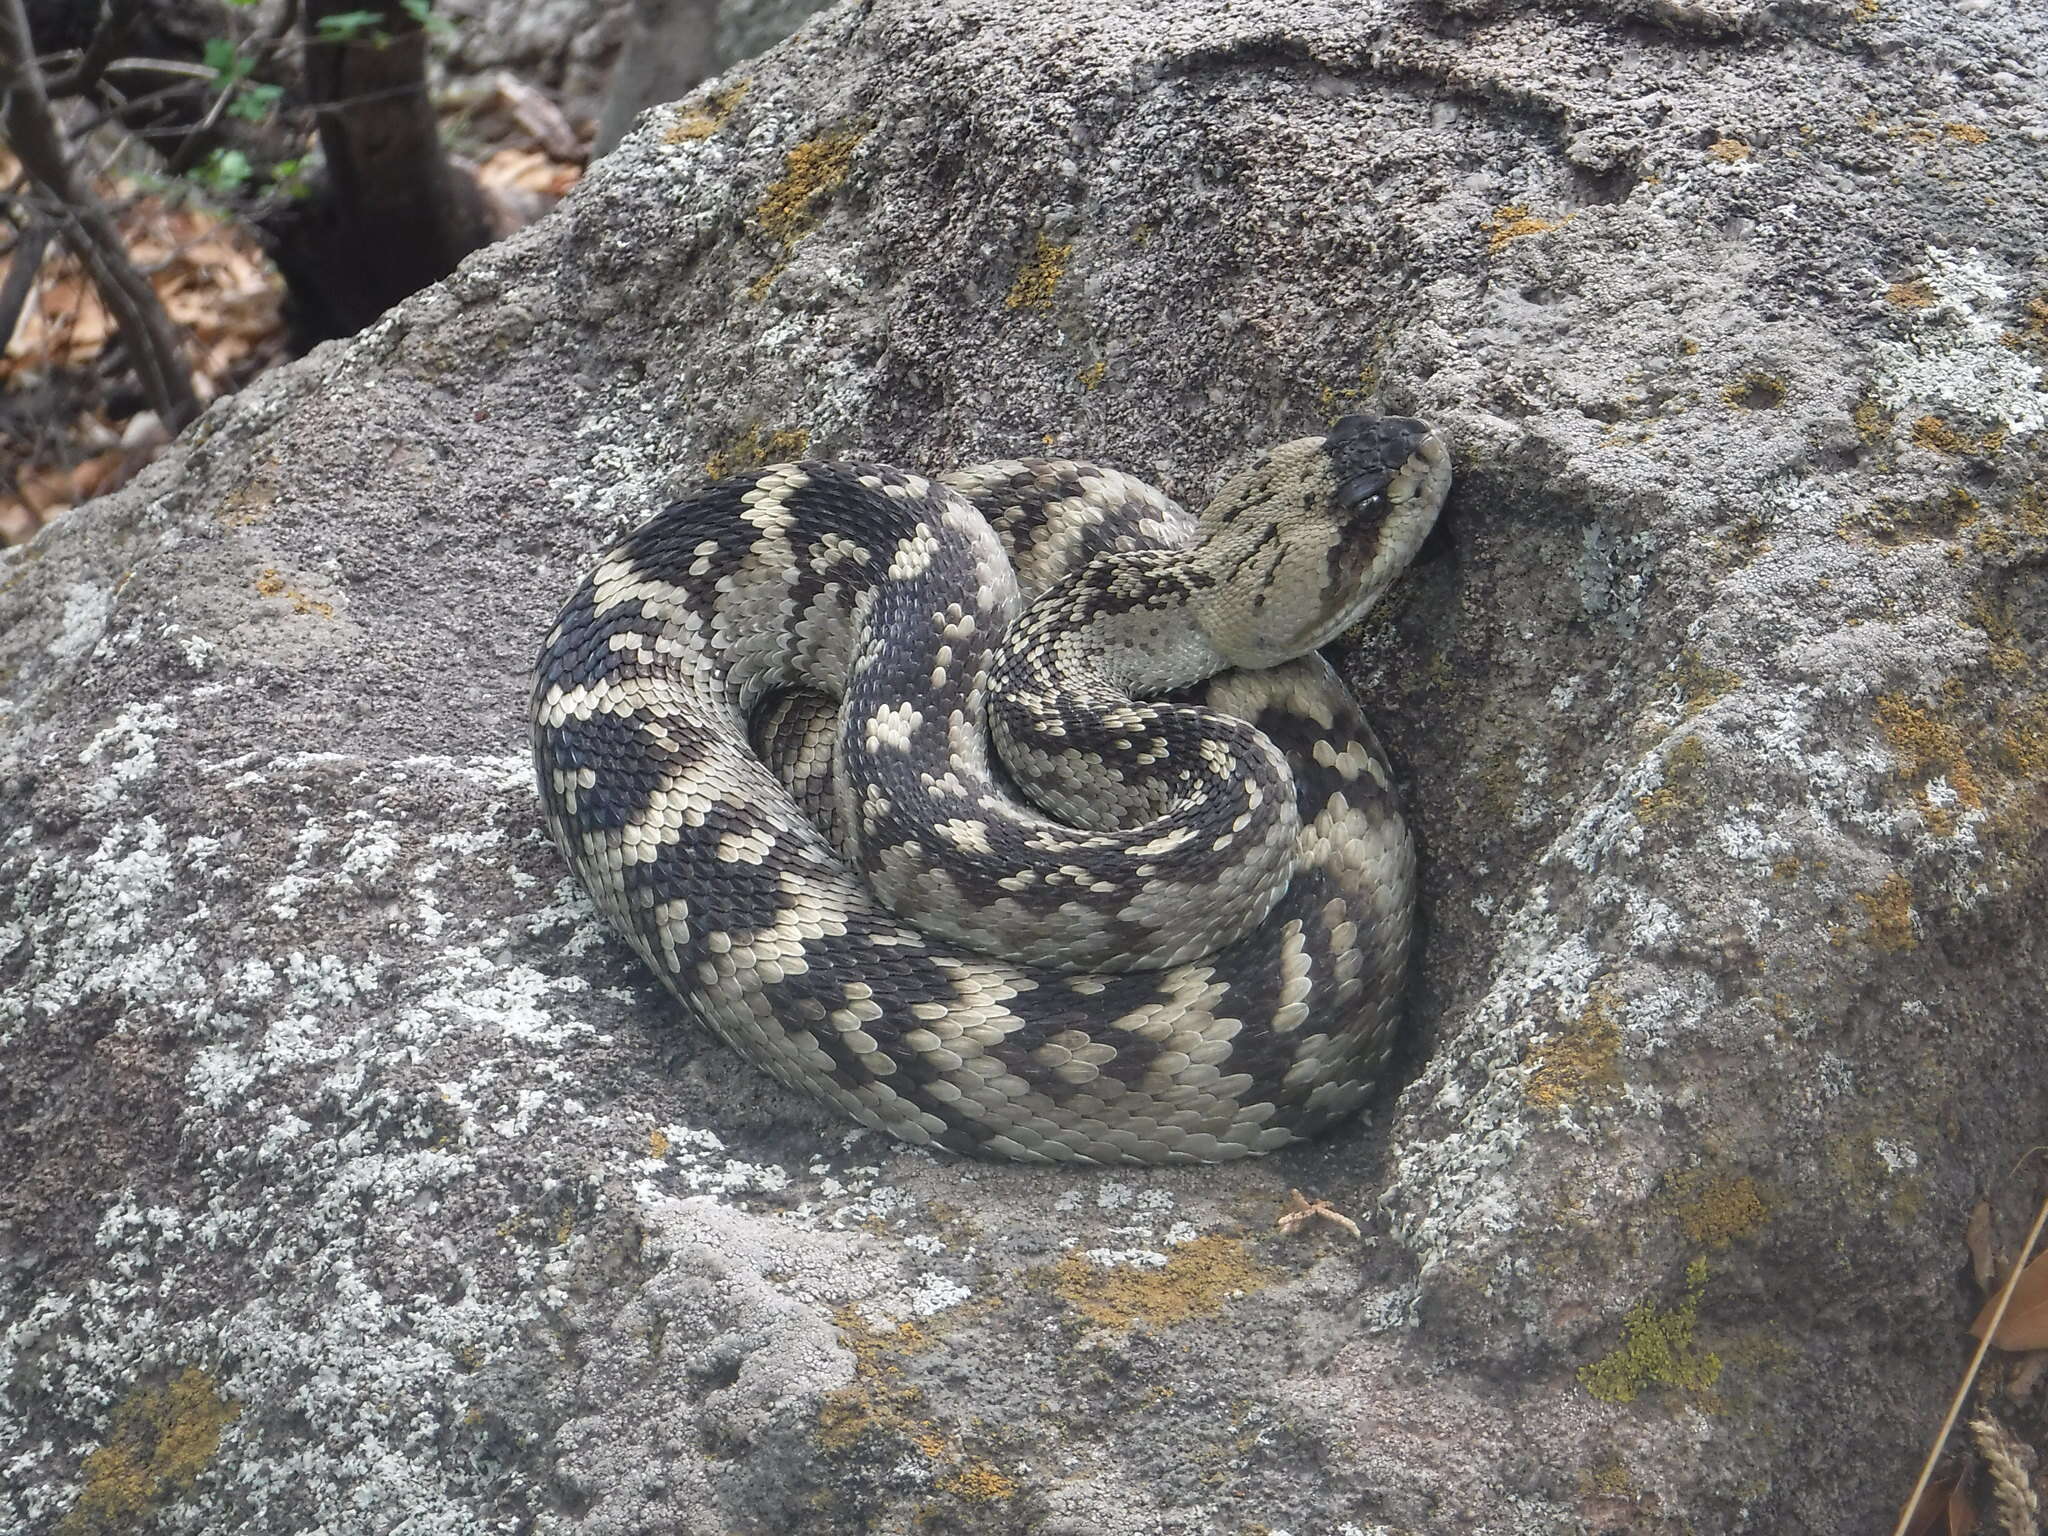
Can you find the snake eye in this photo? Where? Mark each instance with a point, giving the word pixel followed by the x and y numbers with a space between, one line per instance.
pixel 1367 452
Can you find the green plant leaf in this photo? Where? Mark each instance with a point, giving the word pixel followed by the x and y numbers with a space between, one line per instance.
pixel 225 60
pixel 423 12
pixel 347 26
pixel 224 171
pixel 254 103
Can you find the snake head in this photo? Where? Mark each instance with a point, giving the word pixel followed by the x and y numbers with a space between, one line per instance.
pixel 1302 541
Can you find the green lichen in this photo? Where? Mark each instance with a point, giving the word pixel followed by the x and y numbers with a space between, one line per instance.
pixel 1658 1349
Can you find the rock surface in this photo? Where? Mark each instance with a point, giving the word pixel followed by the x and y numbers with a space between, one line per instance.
pixel 357 1181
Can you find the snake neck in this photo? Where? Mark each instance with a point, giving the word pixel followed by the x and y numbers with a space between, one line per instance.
pixel 1075 691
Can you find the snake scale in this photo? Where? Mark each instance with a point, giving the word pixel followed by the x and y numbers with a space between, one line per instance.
pixel 1011 811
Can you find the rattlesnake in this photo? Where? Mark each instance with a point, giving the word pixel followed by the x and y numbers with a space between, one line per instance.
pixel 1165 918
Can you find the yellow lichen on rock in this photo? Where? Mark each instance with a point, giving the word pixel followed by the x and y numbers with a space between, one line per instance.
pixel 1513 222
pixel 1581 1063
pixel 1713 1209
pixel 701 116
pixel 1039 276
pixel 1927 746
pixel 813 170
pixel 1197 1278
pixel 1888 915
pixel 1680 790
pixel 159 1442
pixel 754 448
pixel 979 1482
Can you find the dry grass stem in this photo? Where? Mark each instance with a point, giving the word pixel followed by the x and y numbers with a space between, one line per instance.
pixel 1955 1406
pixel 2012 1484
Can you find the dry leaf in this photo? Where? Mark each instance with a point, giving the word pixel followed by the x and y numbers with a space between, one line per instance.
pixel 539 116
pixel 527 170
pixel 1977 1238
pixel 2025 1325
pixel 1944 1508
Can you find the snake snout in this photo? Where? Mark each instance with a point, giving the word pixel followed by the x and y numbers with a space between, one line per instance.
pixel 1371 453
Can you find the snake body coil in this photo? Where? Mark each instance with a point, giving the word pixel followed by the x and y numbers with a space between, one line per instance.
pixel 1013 811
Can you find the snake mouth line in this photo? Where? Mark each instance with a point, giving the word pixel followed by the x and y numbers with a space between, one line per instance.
pixel 1427 470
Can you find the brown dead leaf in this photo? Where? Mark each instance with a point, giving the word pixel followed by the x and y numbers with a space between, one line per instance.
pixel 1977 1238
pixel 539 116
pixel 210 275
pixel 527 170
pixel 1944 1508
pixel 2025 1325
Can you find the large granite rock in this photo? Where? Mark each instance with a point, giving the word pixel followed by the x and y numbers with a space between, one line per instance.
pixel 356 1181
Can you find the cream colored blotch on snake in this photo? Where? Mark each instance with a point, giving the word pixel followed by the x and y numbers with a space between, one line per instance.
pixel 1012 811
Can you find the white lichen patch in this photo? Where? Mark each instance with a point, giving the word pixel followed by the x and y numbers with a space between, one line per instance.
pixel 126 750
pixel 86 610
pixel 1955 358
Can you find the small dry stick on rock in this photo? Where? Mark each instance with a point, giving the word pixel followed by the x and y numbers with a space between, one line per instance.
pixel 1301 1211
pixel 83 225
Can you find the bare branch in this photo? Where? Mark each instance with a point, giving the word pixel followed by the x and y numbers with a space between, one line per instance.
pixel 116 17
pixel 23 262
pixel 146 331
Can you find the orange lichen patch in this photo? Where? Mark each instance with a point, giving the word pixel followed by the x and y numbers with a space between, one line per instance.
pixel 2032 336
pixel 2023 742
pixel 1513 222
pixel 1039 276
pixel 1196 1280
pixel 657 1145
pixel 1910 294
pixel 1091 376
pixel 811 172
pixel 1888 916
pixel 876 1402
pixel 979 1482
pixel 848 1415
pixel 1936 435
pixel 1713 1209
pixel 1730 151
pixel 1965 133
pixel 1926 746
pixel 1582 1062
pixel 1872 421
pixel 271 583
pixel 702 116
pixel 159 1442
pixel 2007 651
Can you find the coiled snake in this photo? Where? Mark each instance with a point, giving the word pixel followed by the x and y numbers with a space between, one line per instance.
pixel 1012 811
